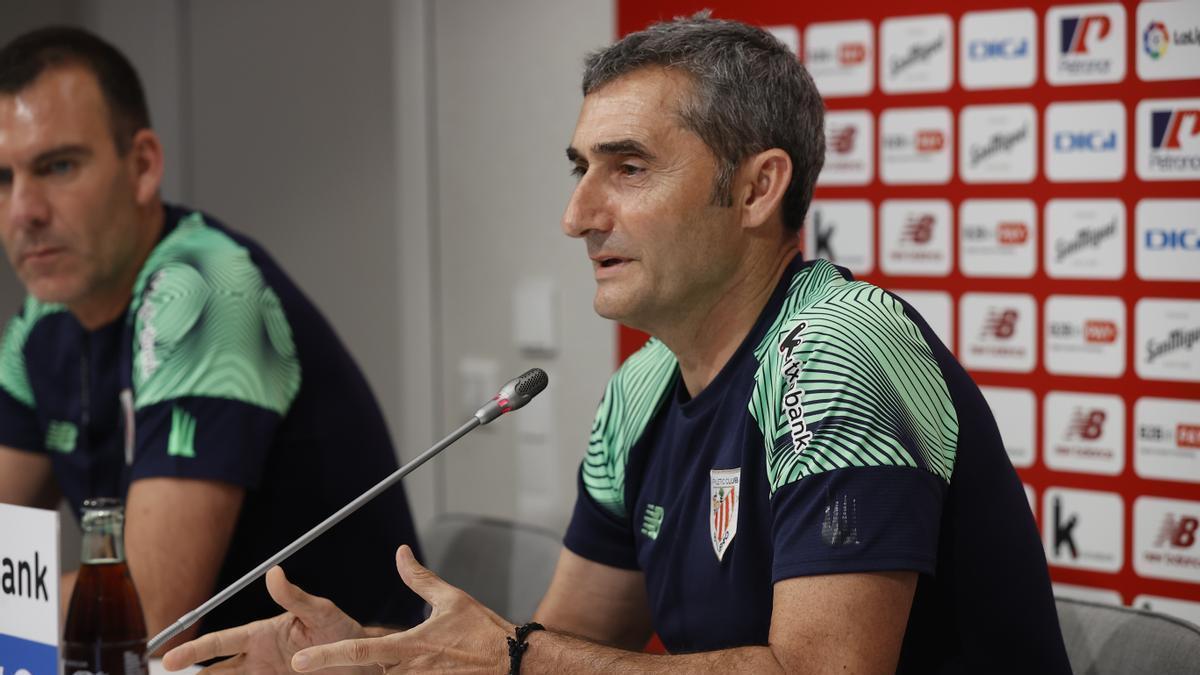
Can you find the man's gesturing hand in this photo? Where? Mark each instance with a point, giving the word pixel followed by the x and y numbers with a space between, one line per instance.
pixel 460 635
pixel 267 646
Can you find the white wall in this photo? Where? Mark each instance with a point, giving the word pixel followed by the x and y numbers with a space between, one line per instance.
pixel 404 162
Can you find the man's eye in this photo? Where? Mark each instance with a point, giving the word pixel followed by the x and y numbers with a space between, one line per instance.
pixel 6 177
pixel 60 167
pixel 631 169
pixel 578 170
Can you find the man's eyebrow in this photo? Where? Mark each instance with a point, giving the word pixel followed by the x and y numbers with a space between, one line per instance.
pixel 626 146
pixel 62 151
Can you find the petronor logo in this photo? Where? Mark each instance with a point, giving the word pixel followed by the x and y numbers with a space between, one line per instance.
pixel 1080 32
pixel 1169 127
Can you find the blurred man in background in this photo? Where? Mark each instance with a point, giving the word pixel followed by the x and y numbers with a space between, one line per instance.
pixel 163 358
pixel 793 475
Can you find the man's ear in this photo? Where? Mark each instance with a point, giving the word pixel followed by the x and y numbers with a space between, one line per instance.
pixel 762 181
pixel 146 159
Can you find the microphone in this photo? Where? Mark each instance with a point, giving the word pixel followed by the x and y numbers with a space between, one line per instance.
pixel 513 395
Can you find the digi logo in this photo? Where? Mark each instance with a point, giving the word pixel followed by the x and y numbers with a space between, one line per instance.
pixel 1168 128
pixel 1086 424
pixel 998 48
pixel 1005 48
pixel 1078 31
pixel 1095 141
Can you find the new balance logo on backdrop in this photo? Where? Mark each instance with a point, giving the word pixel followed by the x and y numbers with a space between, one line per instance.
pixel 1165 532
pixel 1087 424
pixel 919 229
pixel 1177 531
pixel 1001 324
pixel 840 140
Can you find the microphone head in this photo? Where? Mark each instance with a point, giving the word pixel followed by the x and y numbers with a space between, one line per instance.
pixel 531 383
pixel 515 394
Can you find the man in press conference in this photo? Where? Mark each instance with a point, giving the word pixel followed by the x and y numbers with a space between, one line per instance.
pixel 793 475
pixel 165 359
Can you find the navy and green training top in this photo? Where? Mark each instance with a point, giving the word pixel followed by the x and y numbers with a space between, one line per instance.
pixel 233 376
pixel 842 436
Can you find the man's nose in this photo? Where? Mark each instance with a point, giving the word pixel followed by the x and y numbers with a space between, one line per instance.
pixel 27 203
pixel 588 209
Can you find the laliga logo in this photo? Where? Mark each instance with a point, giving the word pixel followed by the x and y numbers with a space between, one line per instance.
pixel 1167 125
pixel 1155 39
pixel 1074 31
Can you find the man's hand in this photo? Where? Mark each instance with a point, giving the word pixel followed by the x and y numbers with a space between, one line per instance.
pixel 267 646
pixel 460 635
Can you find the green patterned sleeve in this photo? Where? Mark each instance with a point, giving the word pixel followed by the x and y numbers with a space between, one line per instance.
pixel 631 399
pixel 207 325
pixel 849 381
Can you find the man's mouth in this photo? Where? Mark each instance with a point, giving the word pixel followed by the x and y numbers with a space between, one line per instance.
pixel 40 253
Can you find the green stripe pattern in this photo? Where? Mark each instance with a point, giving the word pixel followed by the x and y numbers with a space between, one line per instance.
pixel 207 324
pixel 182 440
pixel 61 436
pixel 632 398
pixel 14 378
pixel 869 390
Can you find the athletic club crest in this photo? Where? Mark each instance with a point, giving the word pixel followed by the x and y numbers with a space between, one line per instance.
pixel 725 490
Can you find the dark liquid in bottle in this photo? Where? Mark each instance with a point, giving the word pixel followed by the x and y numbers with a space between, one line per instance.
pixel 105 630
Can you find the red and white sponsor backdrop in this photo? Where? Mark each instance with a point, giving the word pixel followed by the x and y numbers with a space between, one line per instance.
pixel 1028 177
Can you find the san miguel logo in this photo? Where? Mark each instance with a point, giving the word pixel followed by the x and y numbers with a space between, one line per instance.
pixel 997 143
pixel 1175 341
pixel 724 490
pixel 918 52
pixel 1085 238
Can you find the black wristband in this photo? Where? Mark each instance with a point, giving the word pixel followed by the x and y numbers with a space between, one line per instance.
pixel 517 647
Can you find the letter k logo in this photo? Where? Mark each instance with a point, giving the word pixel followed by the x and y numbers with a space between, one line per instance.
pixel 1064 533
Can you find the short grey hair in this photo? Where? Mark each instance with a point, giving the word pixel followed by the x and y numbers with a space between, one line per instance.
pixel 750 94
